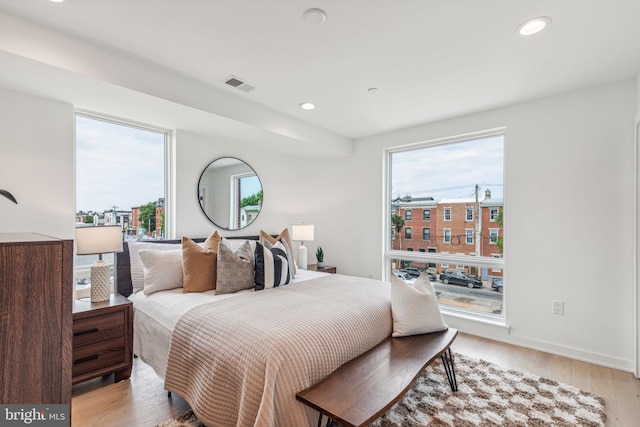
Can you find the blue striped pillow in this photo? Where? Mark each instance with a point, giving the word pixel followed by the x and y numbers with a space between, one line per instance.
pixel 271 266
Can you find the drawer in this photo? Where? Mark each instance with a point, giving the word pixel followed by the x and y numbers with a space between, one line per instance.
pixel 98 356
pixel 98 328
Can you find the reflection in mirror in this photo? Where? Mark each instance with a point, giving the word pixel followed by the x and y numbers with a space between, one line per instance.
pixel 230 193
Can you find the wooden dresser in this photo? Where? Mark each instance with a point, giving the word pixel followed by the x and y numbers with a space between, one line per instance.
pixel 36 294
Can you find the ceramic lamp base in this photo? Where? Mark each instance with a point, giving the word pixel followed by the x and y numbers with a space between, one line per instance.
pixel 100 281
pixel 302 257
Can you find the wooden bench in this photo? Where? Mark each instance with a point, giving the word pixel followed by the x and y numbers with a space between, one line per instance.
pixel 363 389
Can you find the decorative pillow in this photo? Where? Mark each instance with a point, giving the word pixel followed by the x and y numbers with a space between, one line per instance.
pixel 162 270
pixel 415 309
pixel 235 269
pixel 137 269
pixel 199 264
pixel 272 266
pixel 286 240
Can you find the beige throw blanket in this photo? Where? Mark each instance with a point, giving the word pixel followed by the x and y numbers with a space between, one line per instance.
pixel 241 361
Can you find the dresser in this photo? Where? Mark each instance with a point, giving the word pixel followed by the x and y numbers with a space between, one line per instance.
pixel 36 295
pixel 102 338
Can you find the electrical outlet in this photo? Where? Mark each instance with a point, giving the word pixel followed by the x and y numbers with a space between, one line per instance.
pixel 557 307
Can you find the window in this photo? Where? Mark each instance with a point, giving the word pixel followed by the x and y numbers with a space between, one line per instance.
pixel 465 204
pixel 447 235
pixel 407 214
pixel 407 233
pixel 409 249
pixel 468 236
pixel 120 180
pixel 469 213
pixel 493 236
pixel 421 250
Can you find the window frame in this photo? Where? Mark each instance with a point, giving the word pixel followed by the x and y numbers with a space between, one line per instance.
pixel 446 214
pixel 444 259
pixel 408 214
pixel 467 210
pixel 426 215
pixel 428 230
pixel 408 233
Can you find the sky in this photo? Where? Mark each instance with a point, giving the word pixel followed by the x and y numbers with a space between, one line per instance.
pixel 117 165
pixel 449 171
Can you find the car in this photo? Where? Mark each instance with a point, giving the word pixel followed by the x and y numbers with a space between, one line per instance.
pixel 456 277
pixel 402 275
pixel 496 284
pixel 415 273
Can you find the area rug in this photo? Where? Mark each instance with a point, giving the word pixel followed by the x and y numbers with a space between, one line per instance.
pixel 488 395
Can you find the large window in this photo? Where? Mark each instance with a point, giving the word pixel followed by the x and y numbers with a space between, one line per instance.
pixel 462 178
pixel 120 180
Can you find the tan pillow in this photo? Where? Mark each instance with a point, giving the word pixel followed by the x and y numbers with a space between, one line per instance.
pixel 285 238
pixel 199 264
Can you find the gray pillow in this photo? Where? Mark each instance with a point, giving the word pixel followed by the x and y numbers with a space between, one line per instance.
pixel 235 269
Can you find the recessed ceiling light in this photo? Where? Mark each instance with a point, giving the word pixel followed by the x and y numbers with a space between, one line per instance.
pixel 315 16
pixel 372 90
pixel 307 106
pixel 56 1
pixel 534 25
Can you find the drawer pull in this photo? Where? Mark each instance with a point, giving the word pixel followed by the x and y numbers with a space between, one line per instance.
pixel 85 359
pixel 88 331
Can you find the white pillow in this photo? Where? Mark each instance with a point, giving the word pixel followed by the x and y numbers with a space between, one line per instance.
pixel 235 244
pixel 137 269
pixel 415 309
pixel 162 270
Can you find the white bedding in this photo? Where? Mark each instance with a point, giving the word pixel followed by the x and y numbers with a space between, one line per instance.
pixel 156 315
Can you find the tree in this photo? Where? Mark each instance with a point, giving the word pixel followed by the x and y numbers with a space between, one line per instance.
pixel 500 239
pixel 147 217
pixel 88 219
pixel 398 223
pixel 252 200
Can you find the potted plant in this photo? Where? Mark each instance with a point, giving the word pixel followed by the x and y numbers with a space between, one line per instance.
pixel 320 257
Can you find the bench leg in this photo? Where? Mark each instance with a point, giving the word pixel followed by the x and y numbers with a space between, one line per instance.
pixel 447 361
pixel 329 421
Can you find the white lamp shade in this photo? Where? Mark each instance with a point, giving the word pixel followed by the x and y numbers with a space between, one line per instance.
pixel 302 232
pixel 98 239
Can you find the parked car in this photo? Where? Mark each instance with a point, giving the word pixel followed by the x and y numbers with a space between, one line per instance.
pixel 416 272
pixel 456 277
pixel 402 275
pixel 496 284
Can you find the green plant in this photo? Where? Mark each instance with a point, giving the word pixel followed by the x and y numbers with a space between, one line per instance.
pixel 320 254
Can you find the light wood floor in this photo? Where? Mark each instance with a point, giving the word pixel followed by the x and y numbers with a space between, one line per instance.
pixel 142 402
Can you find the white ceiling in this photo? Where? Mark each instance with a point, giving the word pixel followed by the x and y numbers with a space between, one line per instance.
pixel 429 59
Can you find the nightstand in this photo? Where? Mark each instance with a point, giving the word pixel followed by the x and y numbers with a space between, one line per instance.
pixel 102 338
pixel 325 269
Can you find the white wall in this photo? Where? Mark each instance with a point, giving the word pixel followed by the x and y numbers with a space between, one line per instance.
pixel 37 165
pixel 569 218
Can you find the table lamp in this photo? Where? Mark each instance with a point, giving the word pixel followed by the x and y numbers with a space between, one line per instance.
pixel 302 233
pixel 99 240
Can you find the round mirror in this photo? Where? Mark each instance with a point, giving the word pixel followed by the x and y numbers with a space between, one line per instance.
pixel 230 193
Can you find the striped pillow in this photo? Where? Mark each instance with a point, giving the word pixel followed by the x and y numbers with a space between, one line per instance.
pixel 271 266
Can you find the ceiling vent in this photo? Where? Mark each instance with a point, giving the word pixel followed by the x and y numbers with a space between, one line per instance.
pixel 238 83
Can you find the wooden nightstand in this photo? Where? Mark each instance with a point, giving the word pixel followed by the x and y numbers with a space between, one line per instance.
pixel 325 269
pixel 102 338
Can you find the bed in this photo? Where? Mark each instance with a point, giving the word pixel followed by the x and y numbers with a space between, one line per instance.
pixel 239 359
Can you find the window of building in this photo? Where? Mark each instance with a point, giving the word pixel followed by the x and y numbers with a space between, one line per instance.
pixel 120 180
pixel 468 236
pixel 409 249
pixel 420 171
pixel 493 236
pixel 421 250
pixel 407 233
pixel 469 213
pixel 407 215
